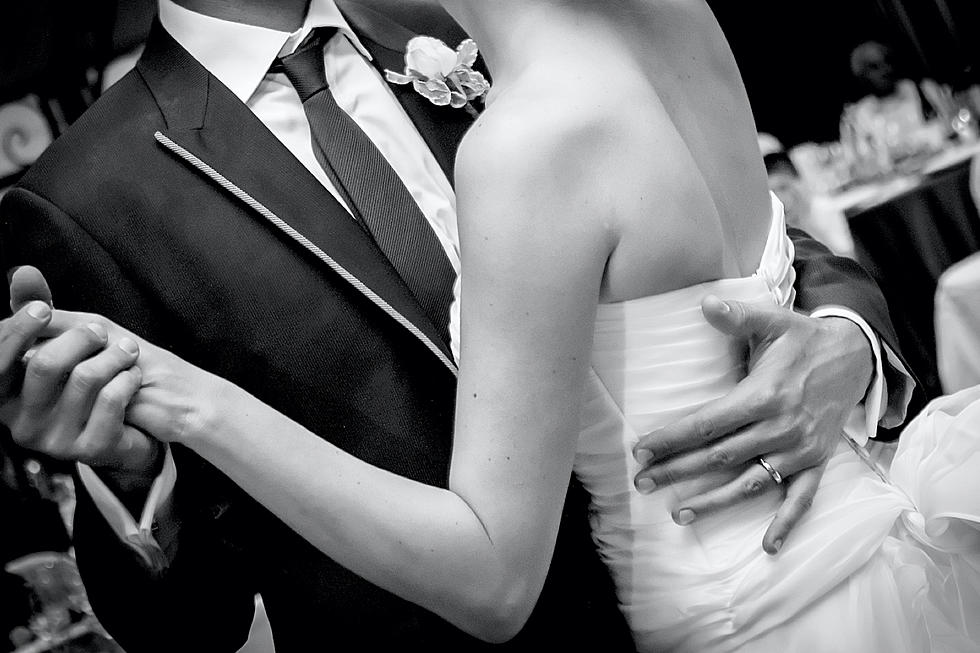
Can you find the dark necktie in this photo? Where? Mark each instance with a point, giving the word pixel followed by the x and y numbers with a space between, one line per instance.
pixel 372 190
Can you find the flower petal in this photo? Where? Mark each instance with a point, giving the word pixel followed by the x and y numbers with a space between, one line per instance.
pixel 472 82
pixel 466 53
pixel 398 78
pixel 430 56
pixel 422 42
pixel 424 62
pixel 457 99
pixel 433 90
pixel 447 61
pixel 436 85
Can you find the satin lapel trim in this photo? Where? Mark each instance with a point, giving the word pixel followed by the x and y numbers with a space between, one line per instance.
pixel 207 120
pixel 442 128
pixel 283 226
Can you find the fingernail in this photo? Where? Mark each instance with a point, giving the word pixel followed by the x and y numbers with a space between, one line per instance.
pixel 28 355
pixel 643 456
pixel 129 346
pixel 39 311
pixel 645 486
pixel 98 330
pixel 725 308
pixel 777 545
pixel 685 516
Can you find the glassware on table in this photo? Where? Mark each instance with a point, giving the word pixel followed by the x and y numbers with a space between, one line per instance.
pixel 956 110
pixel 817 166
pixel 865 145
pixel 964 124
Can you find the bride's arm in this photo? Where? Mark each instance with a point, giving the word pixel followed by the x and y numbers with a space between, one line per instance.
pixel 478 553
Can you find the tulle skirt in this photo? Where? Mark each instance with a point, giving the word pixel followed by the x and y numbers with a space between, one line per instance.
pixel 885 565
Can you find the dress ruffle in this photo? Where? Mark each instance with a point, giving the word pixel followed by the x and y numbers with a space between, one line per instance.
pixel 937 465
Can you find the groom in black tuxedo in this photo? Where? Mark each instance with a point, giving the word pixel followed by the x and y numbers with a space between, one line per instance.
pixel 178 209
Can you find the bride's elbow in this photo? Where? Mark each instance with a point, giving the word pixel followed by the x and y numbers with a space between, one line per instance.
pixel 501 614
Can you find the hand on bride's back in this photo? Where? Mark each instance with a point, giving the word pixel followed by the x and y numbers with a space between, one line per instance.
pixel 805 376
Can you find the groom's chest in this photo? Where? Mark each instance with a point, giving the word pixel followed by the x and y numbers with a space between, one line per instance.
pixel 365 97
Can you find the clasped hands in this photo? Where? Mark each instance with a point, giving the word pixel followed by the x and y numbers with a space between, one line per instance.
pixel 77 387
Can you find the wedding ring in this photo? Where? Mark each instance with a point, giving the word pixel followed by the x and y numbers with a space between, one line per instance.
pixel 776 476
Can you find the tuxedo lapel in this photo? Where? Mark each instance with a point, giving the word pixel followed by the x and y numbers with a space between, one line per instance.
pixel 204 118
pixel 442 128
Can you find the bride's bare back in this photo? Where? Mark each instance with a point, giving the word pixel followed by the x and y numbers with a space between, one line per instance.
pixel 638 105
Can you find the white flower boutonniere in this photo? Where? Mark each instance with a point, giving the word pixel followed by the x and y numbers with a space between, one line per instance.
pixel 443 76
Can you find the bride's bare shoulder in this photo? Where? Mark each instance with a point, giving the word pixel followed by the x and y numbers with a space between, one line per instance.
pixel 543 137
pixel 595 142
pixel 529 167
pixel 528 123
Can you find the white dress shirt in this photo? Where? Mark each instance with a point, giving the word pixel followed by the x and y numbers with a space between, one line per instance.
pixel 239 56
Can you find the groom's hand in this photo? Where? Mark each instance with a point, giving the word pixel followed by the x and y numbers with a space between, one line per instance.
pixel 66 397
pixel 30 303
pixel 805 376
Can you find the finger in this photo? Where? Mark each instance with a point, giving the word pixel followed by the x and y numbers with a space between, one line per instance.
pixel 106 440
pixel 752 482
pixel 91 376
pixel 744 320
pixel 745 404
pixel 64 321
pixel 726 454
pixel 800 491
pixel 28 284
pixel 54 360
pixel 17 335
pixel 151 413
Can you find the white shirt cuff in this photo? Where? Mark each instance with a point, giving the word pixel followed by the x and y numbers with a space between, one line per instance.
pixel 901 389
pixel 879 406
pixel 138 536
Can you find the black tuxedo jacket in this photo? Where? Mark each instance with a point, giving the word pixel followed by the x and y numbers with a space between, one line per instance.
pixel 123 219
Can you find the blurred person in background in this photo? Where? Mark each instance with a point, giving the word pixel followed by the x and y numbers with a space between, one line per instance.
pixel 889 96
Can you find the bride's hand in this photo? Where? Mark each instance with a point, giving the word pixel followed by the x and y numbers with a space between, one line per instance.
pixel 805 376
pixel 173 398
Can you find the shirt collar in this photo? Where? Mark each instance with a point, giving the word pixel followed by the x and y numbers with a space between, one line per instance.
pixel 239 55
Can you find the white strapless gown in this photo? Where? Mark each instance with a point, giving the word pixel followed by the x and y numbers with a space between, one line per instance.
pixel 874 566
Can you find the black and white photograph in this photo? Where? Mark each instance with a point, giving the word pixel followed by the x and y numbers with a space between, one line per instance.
pixel 490 325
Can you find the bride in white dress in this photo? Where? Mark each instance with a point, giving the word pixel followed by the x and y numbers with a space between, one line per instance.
pixel 613 182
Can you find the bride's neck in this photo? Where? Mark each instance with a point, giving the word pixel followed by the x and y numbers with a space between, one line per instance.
pixel 513 33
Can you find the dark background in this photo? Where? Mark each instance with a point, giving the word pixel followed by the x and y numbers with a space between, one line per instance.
pixel 793 54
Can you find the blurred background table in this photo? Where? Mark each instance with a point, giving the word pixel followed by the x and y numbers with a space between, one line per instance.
pixel 907 241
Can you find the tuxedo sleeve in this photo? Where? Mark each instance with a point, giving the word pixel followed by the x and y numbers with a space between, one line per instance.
pixel 202 601
pixel 825 280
